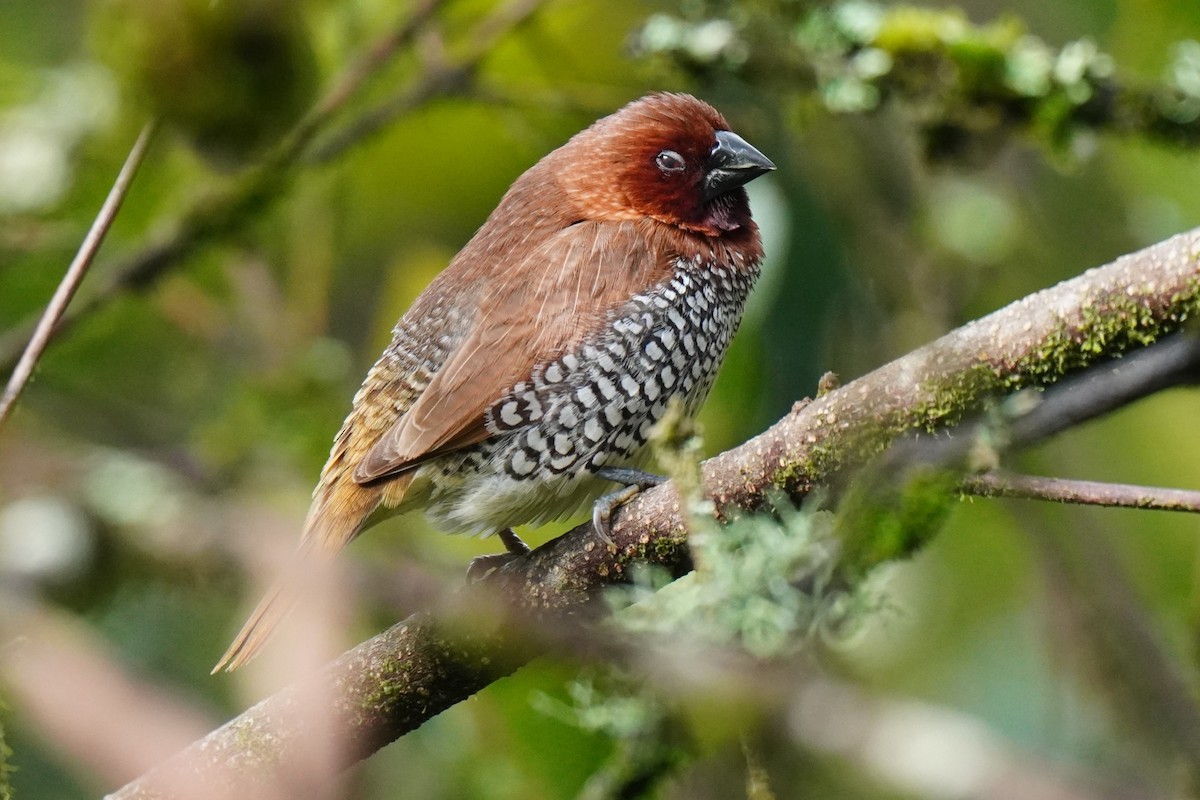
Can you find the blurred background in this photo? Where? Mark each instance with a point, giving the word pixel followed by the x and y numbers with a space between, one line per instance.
pixel 160 463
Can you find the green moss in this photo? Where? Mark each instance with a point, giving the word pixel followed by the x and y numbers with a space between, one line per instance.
pixel 952 397
pixel 394 682
pixel 256 749
pixel 665 547
pixel 393 677
pixel 819 461
pixel 1110 327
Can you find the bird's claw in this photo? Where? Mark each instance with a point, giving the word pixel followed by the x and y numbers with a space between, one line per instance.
pixel 482 566
pixel 635 481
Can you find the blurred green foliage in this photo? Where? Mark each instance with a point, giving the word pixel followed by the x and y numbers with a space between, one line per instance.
pixel 6 767
pixel 232 77
pixel 648 742
pixel 186 411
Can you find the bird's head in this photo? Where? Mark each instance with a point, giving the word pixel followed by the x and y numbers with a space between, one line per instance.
pixel 666 156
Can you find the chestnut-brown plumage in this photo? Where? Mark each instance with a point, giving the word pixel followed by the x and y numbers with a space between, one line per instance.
pixel 610 278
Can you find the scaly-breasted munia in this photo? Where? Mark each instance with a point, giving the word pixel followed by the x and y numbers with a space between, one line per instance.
pixel 610 279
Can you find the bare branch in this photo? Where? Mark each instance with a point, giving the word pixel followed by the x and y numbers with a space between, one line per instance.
pixel 75 272
pixel 376 57
pixel 1091 493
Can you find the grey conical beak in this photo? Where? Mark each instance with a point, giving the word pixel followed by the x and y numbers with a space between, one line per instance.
pixel 733 162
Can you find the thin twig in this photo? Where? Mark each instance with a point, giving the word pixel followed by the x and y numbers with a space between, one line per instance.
pixel 439 79
pixel 76 271
pixel 435 82
pixel 356 76
pixel 918 460
pixel 1088 493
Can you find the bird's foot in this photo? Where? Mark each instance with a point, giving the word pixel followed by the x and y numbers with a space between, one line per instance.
pixel 482 566
pixel 635 481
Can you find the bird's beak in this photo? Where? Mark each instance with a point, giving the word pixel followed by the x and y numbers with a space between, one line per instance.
pixel 733 162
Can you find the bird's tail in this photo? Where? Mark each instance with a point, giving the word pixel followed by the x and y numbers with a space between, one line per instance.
pixel 266 616
pixel 337 515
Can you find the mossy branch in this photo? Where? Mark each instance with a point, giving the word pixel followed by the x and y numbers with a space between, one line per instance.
pixel 969 87
pixel 391 684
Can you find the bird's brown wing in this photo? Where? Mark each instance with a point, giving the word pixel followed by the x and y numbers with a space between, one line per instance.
pixel 535 311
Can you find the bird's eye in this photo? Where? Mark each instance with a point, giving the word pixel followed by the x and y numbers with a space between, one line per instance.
pixel 669 161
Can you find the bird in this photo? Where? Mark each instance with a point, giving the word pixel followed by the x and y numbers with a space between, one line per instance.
pixel 525 379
